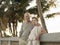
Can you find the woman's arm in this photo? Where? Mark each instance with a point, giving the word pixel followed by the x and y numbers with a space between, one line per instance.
pixel 43 31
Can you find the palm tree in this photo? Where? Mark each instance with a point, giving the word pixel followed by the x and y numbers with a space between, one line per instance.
pixel 40 14
pixel 14 12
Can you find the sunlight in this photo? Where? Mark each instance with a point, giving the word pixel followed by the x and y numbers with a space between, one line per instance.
pixel 53 24
pixel 19 28
pixel 7 32
pixel 31 4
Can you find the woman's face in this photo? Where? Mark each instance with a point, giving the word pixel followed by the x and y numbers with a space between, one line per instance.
pixel 34 21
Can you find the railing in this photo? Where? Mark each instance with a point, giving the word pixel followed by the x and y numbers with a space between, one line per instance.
pixel 46 39
pixel 8 41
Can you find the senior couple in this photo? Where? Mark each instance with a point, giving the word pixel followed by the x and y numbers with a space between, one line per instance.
pixel 30 31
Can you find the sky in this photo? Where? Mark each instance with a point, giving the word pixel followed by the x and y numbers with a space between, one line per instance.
pixel 53 24
pixel 32 4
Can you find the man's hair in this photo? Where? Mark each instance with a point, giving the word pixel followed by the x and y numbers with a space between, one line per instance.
pixel 27 13
pixel 35 18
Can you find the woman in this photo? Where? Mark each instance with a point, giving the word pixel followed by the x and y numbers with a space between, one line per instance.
pixel 36 32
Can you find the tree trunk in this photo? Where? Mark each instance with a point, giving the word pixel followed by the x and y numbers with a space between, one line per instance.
pixel 10 29
pixel 41 15
pixel 15 28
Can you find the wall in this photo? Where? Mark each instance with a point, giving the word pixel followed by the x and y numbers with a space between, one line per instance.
pixel 50 39
pixel 46 39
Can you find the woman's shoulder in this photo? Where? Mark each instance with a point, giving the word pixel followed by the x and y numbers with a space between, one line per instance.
pixel 39 25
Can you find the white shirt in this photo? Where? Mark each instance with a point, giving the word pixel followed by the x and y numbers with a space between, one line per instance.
pixel 35 31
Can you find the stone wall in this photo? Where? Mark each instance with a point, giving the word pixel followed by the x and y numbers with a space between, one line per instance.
pixel 46 39
pixel 50 39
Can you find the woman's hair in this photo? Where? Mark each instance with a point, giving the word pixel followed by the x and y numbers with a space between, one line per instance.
pixel 35 18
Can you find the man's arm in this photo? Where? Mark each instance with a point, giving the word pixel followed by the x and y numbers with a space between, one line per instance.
pixel 21 31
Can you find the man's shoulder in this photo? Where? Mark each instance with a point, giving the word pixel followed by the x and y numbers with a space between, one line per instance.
pixel 25 22
pixel 30 23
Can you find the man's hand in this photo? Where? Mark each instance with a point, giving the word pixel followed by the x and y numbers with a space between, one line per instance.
pixel 19 34
pixel 30 40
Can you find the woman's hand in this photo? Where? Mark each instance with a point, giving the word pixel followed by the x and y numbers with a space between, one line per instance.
pixel 37 37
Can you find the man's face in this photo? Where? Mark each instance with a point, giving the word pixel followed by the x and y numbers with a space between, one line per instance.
pixel 27 16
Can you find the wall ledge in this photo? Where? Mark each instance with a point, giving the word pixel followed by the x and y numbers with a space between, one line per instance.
pixel 48 37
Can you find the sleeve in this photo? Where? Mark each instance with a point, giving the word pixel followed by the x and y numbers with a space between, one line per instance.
pixel 39 29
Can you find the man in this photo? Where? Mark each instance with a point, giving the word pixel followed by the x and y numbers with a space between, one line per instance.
pixel 26 28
